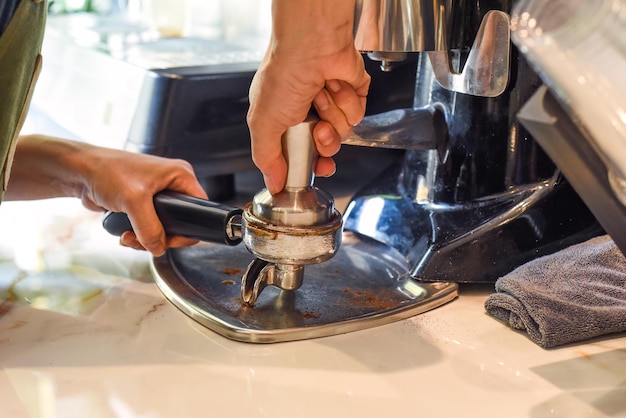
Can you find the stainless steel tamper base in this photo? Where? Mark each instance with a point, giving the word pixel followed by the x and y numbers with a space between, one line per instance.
pixel 301 207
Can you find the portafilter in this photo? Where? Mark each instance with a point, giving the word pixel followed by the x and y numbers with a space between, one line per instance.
pixel 286 231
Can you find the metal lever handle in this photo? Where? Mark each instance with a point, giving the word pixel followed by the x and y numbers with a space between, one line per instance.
pixel 411 129
pixel 187 216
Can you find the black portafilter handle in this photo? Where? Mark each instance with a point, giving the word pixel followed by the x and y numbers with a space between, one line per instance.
pixel 187 216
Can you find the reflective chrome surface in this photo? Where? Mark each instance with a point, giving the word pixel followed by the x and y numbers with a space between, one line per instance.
pixel 299 151
pixel 287 244
pixel 389 29
pixel 414 128
pixel 365 285
pixel 400 25
pixel 284 276
pixel 309 206
pixel 475 241
pixel 486 71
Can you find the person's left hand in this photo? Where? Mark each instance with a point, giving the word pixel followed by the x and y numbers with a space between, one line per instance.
pixel 127 182
pixel 105 179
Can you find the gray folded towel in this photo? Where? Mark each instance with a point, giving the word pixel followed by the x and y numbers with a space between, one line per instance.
pixel 569 296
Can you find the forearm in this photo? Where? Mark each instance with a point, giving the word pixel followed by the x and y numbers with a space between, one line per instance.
pixel 104 179
pixel 312 27
pixel 46 167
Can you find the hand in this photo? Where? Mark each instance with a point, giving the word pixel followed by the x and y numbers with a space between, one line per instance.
pixel 129 185
pixel 105 179
pixel 311 60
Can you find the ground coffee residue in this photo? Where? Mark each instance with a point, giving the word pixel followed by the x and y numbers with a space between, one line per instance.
pixel 232 271
pixel 376 300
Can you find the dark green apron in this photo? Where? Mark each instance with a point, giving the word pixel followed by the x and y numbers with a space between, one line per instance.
pixel 20 63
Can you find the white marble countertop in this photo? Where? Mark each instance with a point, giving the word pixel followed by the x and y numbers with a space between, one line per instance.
pixel 84 332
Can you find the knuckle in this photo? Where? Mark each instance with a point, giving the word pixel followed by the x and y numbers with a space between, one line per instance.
pixel 260 160
pixel 186 167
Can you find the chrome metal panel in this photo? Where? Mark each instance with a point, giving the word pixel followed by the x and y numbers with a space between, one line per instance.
pixel 401 25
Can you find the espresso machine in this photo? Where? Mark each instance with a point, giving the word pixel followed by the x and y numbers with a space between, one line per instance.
pixel 472 197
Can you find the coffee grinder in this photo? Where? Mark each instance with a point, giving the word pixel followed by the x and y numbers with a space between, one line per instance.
pixel 475 196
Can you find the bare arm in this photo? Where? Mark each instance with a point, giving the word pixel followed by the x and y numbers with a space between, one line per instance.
pixel 104 179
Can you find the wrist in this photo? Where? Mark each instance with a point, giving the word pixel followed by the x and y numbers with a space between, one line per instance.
pixel 312 28
pixel 51 167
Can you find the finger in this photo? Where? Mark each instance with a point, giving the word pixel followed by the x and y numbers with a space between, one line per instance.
pixel 177 242
pixel 183 180
pixel 129 239
pixel 328 132
pixel 147 226
pixel 325 167
pixel 348 100
pixel 270 161
pixel 267 152
pixel 327 140
pixel 328 110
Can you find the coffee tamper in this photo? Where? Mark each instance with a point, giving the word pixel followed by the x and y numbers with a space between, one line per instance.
pixel 293 228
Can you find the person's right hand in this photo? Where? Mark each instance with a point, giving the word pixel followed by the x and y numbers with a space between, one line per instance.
pixel 311 60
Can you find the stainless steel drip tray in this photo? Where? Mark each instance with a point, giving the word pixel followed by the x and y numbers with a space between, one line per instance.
pixel 366 284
